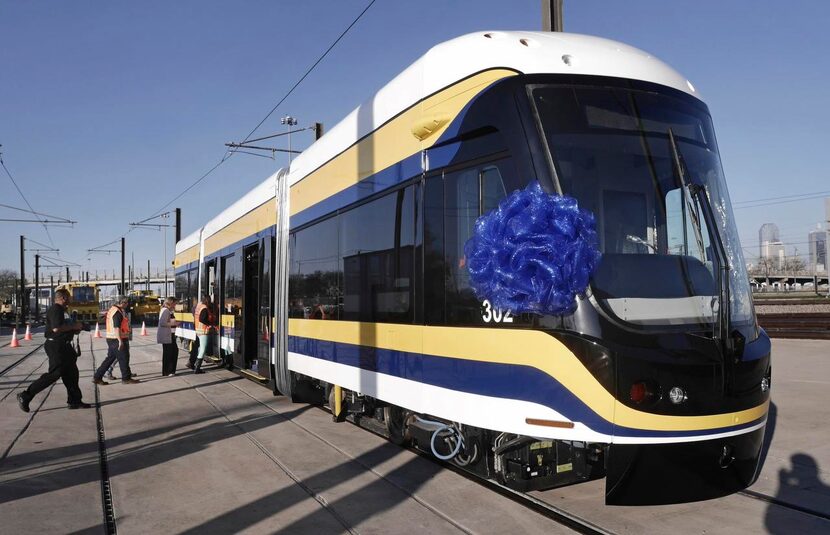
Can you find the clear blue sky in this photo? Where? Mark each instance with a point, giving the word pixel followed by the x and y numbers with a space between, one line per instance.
pixel 108 110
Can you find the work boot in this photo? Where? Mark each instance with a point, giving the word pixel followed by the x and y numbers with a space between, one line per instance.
pixel 129 381
pixel 198 367
pixel 189 365
pixel 99 381
pixel 23 400
pixel 79 405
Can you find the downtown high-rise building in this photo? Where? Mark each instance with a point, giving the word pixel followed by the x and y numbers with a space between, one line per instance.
pixel 770 247
pixel 767 234
pixel 817 240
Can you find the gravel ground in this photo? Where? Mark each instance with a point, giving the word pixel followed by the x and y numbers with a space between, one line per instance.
pixel 792 309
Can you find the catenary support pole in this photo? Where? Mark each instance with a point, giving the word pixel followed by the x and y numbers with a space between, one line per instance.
pixel 552 18
pixel 37 287
pixel 122 289
pixel 22 307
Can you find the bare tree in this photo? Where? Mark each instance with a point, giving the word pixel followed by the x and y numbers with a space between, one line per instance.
pixel 8 284
pixel 793 264
pixel 764 268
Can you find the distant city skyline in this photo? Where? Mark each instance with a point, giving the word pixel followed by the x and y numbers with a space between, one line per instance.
pixel 813 251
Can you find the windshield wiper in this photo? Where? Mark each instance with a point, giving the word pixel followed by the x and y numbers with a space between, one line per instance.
pixel 698 192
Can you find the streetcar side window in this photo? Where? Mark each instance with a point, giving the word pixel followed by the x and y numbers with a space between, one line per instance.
pixel 192 288
pixel 449 221
pixel 680 230
pixel 232 287
pixel 377 242
pixel 461 190
pixel 314 278
pixel 183 292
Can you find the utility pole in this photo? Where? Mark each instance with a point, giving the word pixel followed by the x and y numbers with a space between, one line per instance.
pixel 178 225
pixel 123 290
pixel 37 287
pixel 552 18
pixel 148 275
pixel 164 260
pixel 22 279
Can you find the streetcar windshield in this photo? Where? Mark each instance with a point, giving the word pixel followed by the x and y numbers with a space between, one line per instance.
pixel 611 149
pixel 83 294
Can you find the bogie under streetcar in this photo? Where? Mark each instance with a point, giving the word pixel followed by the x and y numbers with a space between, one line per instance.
pixel 520 257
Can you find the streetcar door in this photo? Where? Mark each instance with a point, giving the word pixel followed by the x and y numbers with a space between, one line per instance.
pixel 248 359
pixel 265 314
pixel 209 288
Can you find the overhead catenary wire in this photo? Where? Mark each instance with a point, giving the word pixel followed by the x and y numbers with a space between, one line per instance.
pixel 775 202
pixel 229 153
pixel 53 260
pixel 780 197
pixel 61 219
pixel 48 234
pixel 41 244
pixel 329 49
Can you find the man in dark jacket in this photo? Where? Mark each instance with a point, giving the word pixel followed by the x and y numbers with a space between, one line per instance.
pixel 60 330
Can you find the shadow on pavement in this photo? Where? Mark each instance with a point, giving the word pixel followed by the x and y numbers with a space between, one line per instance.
pixel 799 488
pixel 125 461
pixel 348 511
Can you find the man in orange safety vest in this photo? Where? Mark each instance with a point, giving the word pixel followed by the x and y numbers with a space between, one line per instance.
pixel 119 334
pixel 204 320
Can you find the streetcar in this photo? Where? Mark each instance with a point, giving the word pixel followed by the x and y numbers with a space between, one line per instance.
pixel 85 305
pixel 8 311
pixel 145 306
pixel 518 256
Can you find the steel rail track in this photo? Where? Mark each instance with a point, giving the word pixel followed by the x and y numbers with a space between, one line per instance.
pixel 557 514
pixel 781 503
pixel 107 504
pixel 21 359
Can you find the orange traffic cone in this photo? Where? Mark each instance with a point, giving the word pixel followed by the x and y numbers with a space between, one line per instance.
pixel 97 331
pixel 15 343
pixel 28 335
pixel 143 329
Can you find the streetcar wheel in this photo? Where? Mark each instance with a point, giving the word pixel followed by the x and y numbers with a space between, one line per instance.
pixel 394 417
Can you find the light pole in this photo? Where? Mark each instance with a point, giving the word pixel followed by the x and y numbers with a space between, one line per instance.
pixel 289 121
pixel 164 216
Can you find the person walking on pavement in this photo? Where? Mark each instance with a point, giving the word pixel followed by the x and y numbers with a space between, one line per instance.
pixel 60 330
pixel 205 323
pixel 164 336
pixel 119 333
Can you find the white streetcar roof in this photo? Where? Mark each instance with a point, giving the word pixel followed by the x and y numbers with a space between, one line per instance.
pixel 445 64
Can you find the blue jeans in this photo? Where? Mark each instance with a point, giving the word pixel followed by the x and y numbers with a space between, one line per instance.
pixel 204 339
pixel 113 353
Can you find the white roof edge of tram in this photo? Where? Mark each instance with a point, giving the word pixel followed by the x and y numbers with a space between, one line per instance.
pixel 446 63
pixel 188 241
pixel 258 195
pixel 450 61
